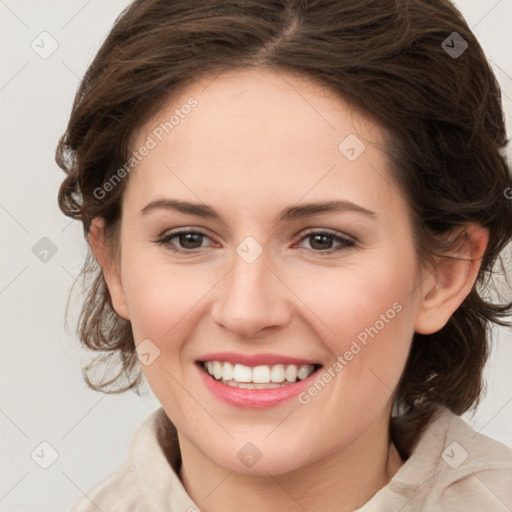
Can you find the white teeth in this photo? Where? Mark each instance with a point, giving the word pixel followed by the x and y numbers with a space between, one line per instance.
pixel 227 373
pixel 242 373
pixel 291 373
pixel 217 370
pixel 277 373
pixel 251 385
pixel 263 376
pixel 303 372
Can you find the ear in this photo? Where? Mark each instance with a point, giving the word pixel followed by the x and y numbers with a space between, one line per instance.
pixel 451 281
pixel 111 272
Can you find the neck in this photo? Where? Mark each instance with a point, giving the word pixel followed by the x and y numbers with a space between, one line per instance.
pixel 343 481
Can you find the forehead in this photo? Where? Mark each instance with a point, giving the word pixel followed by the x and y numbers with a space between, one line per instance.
pixel 261 137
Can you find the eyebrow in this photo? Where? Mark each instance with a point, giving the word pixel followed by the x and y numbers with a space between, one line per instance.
pixel 288 214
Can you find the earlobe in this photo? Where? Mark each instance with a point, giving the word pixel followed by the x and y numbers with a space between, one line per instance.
pixel 451 281
pixel 110 269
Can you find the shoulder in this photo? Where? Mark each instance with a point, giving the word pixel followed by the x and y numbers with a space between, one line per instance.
pixel 472 471
pixel 452 468
pixel 120 490
pixel 146 479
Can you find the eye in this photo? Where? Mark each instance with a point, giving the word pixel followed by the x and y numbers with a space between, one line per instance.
pixel 322 242
pixel 189 240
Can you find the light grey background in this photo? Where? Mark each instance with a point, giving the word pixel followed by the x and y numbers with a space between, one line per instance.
pixel 43 396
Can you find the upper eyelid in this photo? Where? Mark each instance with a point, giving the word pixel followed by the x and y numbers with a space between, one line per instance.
pixel 303 232
pixel 331 232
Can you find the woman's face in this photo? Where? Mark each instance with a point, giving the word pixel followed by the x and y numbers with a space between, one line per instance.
pixel 270 281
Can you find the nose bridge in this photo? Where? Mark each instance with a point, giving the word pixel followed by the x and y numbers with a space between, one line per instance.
pixel 251 297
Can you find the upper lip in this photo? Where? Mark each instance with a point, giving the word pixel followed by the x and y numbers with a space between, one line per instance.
pixel 255 359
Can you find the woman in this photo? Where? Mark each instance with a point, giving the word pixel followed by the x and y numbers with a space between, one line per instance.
pixel 292 208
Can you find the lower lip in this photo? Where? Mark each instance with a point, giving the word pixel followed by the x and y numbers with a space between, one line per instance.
pixel 254 398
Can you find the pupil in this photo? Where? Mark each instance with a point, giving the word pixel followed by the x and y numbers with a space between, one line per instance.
pixel 321 237
pixel 190 238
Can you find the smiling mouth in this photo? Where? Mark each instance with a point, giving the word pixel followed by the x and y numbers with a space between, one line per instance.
pixel 257 377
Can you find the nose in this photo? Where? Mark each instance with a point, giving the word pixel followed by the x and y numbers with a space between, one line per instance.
pixel 252 299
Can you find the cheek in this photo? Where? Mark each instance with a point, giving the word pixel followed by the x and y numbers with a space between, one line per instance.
pixel 349 302
pixel 160 297
pixel 161 300
pixel 365 318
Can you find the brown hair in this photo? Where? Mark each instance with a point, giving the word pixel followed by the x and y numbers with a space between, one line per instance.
pixel 441 114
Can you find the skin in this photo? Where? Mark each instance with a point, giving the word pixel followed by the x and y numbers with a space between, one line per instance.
pixel 258 142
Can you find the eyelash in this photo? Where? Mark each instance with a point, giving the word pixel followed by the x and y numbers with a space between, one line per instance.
pixel 345 242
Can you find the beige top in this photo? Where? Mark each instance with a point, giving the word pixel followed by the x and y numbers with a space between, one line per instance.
pixel 452 468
